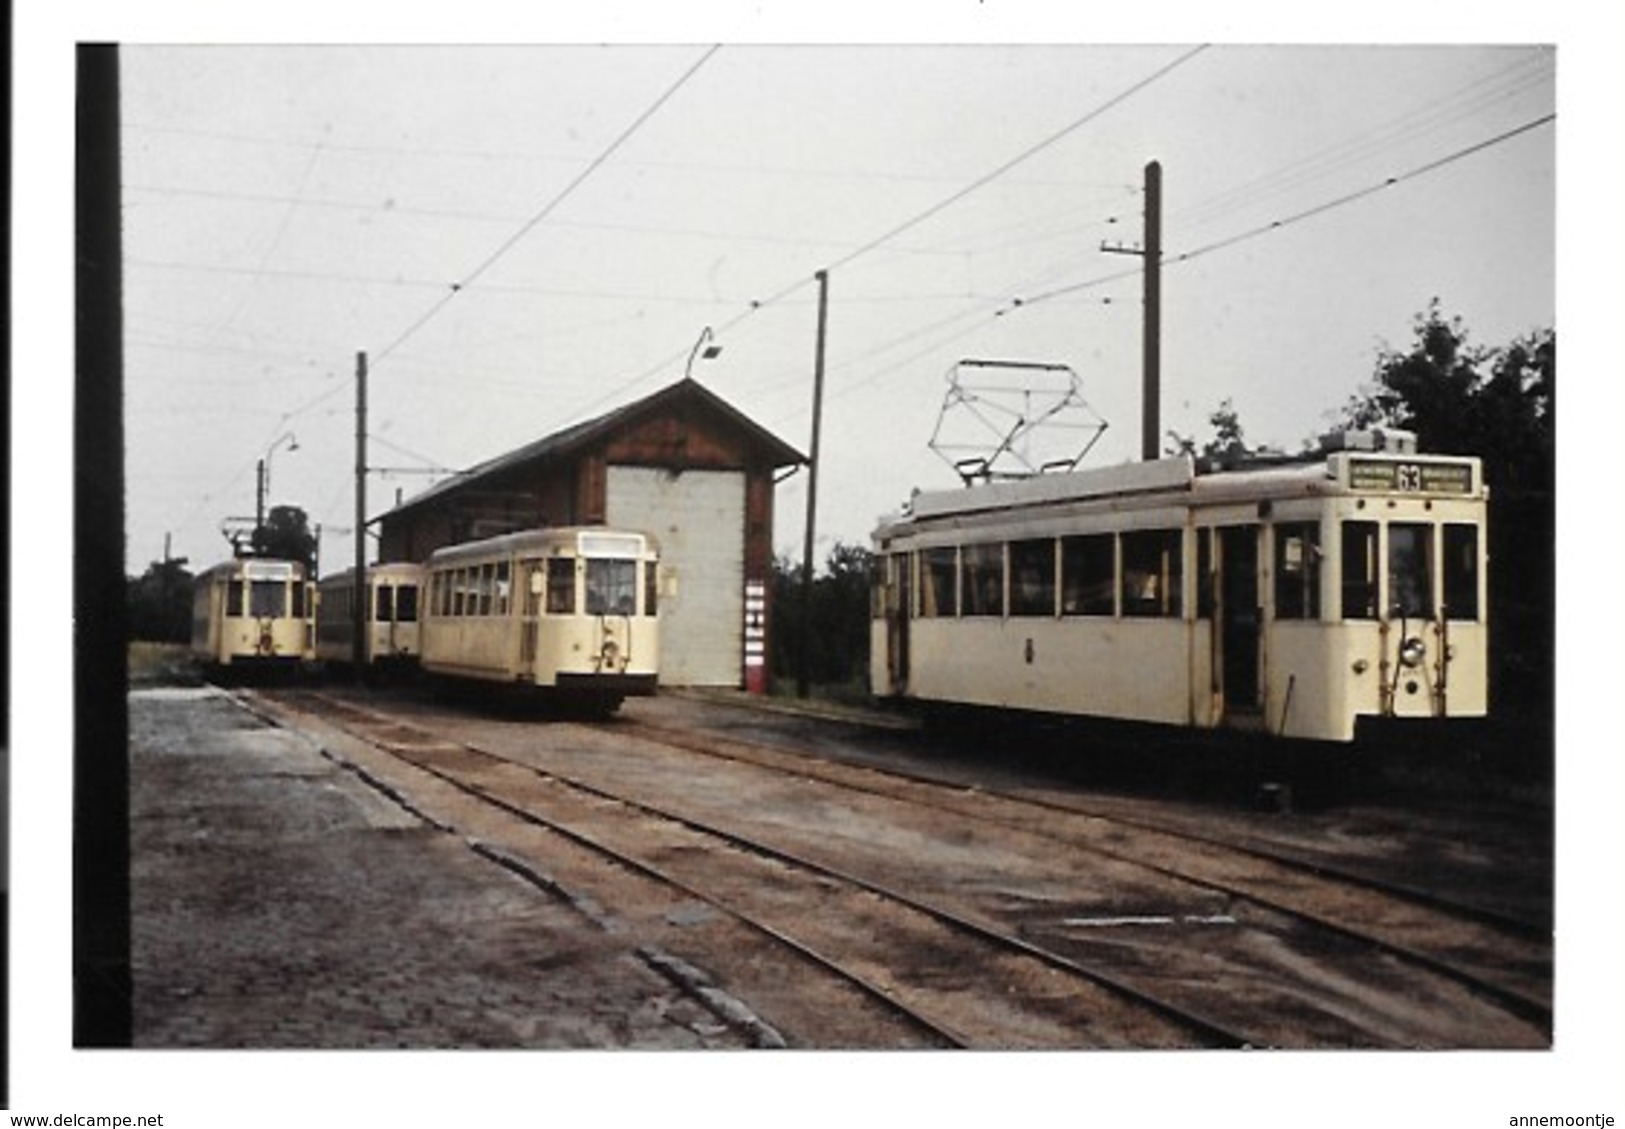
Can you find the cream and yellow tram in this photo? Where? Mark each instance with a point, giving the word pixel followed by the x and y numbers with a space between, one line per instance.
pixel 1290 599
pixel 391 605
pixel 569 611
pixel 252 612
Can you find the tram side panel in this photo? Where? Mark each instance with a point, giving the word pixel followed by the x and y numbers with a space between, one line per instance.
pixel 1114 669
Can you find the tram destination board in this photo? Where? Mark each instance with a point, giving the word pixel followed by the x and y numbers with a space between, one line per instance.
pixel 1410 477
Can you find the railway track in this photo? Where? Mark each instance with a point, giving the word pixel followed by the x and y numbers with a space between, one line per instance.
pixel 1502 958
pixel 1362 918
pixel 847 925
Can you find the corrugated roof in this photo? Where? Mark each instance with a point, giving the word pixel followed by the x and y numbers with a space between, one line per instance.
pixel 566 442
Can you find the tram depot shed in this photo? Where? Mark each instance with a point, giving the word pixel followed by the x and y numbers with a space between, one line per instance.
pixel 682 465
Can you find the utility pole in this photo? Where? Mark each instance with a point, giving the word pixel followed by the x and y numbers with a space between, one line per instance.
pixel 358 592
pixel 1151 329
pixel 805 659
pixel 259 497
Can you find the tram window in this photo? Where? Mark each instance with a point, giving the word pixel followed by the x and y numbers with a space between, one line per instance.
pixel 1410 571
pixel 1206 578
pixel 1152 573
pixel 300 593
pixel 1088 575
pixel 982 573
pixel 1460 571
pixel 938 570
pixel 651 588
pixel 1032 577
pixel 1297 571
pixel 406 603
pixel 611 586
pixel 383 608
pixel 267 598
pixel 1359 570
pixel 561 585
pixel 500 591
pixel 234 597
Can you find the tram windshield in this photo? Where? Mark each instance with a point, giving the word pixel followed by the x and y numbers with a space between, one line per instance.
pixel 611 586
pixel 267 598
pixel 1410 571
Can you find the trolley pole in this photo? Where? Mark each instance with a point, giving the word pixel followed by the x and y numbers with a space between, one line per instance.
pixel 358 591
pixel 804 661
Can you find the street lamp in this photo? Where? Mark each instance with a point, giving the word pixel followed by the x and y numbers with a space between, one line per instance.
pixel 710 353
pixel 263 479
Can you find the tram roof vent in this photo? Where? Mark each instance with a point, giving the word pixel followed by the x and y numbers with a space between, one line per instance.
pixel 1390 440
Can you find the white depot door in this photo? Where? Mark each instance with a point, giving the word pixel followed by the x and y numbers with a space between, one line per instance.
pixel 698 517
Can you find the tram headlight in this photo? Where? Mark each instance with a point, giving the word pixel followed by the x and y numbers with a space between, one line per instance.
pixel 1412 651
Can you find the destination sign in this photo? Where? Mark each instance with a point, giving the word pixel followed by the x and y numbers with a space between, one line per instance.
pixel 268 570
pixel 1410 478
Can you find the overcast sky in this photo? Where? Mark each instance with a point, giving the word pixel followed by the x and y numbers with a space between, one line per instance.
pixel 598 207
pixel 524 237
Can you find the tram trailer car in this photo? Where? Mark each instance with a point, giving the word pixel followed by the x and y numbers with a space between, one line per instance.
pixel 252 612
pixel 1292 599
pixel 393 601
pixel 570 613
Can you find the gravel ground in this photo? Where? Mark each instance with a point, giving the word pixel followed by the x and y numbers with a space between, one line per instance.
pixel 279 902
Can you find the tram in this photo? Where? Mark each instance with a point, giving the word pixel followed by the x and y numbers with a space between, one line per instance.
pixel 252 612
pixel 1289 597
pixel 569 613
pixel 391 628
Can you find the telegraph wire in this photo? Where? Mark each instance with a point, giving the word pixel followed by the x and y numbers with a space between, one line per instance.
pixel 1307 213
pixel 1024 155
pixel 1012 305
pixel 865 248
pixel 529 225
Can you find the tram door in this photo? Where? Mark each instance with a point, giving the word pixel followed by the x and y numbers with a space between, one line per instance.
pixel 897 609
pixel 1240 618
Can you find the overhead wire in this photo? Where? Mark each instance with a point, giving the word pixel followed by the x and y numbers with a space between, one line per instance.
pixel 908 224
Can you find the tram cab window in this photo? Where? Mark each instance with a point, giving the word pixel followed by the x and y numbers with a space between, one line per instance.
pixel 939 569
pixel 1359 570
pixel 982 577
pixel 611 586
pixel 267 598
pixel 1088 575
pixel 234 597
pixel 1460 572
pixel 1410 571
pixel 383 604
pixel 651 588
pixel 1297 571
pixel 561 585
pixel 1153 575
pixel 1032 578
pixel 406 603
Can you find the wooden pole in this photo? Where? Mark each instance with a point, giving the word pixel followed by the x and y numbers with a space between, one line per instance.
pixel 805 660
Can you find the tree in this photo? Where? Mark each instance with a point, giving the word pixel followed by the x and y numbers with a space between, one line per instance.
pixel 286 536
pixel 159 602
pixel 838 646
pixel 1228 445
pixel 1462 399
